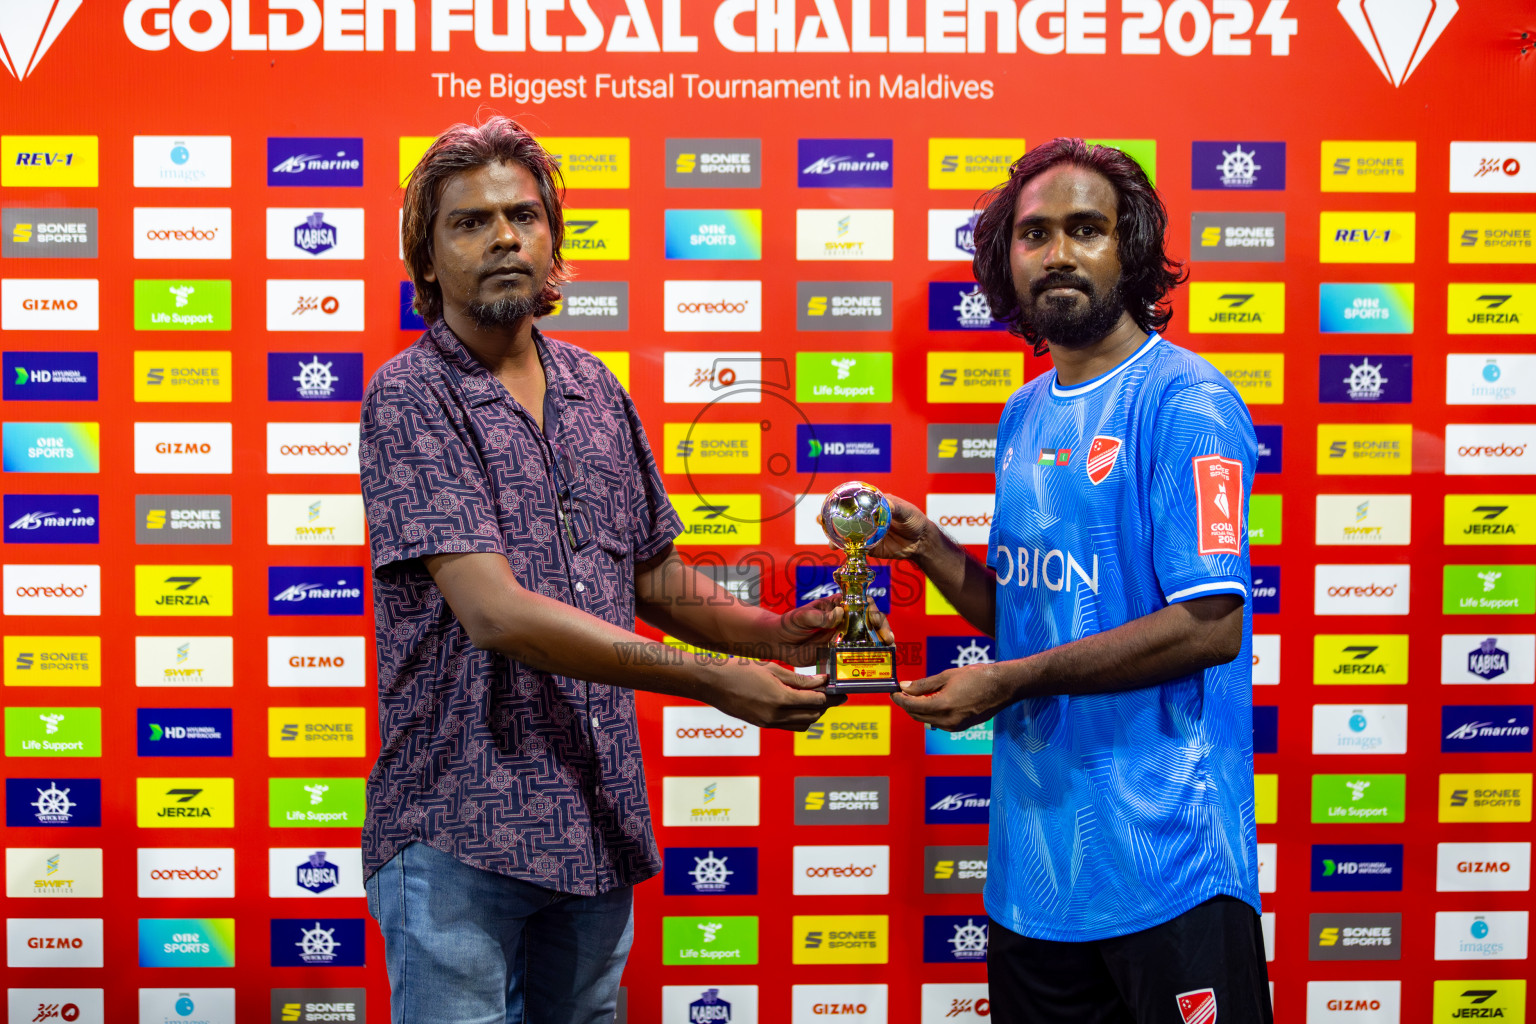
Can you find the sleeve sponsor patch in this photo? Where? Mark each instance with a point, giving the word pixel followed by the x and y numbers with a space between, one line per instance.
pixel 1218 504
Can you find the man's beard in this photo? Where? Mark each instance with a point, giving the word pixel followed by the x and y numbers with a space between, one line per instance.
pixel 1064 322
pixel 505 312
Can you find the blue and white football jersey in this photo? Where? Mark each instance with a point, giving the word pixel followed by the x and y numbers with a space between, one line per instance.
pixel 1116 497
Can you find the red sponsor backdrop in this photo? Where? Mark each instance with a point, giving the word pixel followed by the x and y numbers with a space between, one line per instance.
pixel 1474 83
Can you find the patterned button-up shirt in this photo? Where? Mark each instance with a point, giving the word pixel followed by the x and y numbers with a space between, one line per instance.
pixel 506 768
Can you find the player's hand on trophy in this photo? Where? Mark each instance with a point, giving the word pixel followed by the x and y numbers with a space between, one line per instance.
pixel 957 698
pixel 770 696
pixel 907 531
pixel 806 629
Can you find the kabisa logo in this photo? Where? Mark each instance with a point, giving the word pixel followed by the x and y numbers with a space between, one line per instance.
pixel 332 162
pixel 317 874
pixel 315 590
pixel 1488 660
pixel 322 942
pixel 314 376
pixel 959 306
pixel 954 939
pixel 712 871
pixel 845 163
pixel 1357 868
pixel 1485 728
pixel 1397 37
pixel 27 31
pixel 53 803
pixel 51 519
pixel 952 235
pixel 709 1008
pixel 958 799
pixel 1238 165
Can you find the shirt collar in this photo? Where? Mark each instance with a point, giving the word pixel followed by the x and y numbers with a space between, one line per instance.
pixel 1104 378
pixel 478 387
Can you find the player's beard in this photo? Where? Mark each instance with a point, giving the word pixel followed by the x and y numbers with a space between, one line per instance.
pixel 1063 321
pixel 506 312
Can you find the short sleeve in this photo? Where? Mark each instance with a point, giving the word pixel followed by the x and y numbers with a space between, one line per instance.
pixel 424 488
pixel 654 523
pixel 1204 452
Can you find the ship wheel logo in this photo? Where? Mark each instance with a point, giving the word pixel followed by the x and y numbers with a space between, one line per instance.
pixel 710 873
pixel 317 944
pixel 972 653
pixel 53 803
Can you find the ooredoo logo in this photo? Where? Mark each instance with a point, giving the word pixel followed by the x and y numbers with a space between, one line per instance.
pixel 706 732
pixel 176 233
pixel 836 870
pixel 312 448
pixel 965 517
pixel 1496 449
pixel 183 873
pixel 713 306
pixel 1361 590
pixel 52 589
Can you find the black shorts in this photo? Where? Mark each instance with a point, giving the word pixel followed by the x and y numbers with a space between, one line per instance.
pixel 1205 966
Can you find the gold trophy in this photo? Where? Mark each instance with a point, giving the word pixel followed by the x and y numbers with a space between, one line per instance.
pixel 855 515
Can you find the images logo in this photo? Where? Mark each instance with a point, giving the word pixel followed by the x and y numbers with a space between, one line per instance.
pixel 1369 166
pixel 52 589
pixel 1493 935
pixel 327 162
pixel 971 164
pixel 1359 728
pixel 1365 308
pixel 1237 307
pixel 846 939
pixel 1237 237
pixel 181 305
pixel 845 163
pixel 51 519
pixel 851 800
pixel 183 590
pixel 716 871
pixel 186 803
pixel 960 306
pixel 712 306
pixel 181 161
pixel 711 235
pixel 714 163
pixel 1243 166
pixel 48 232
pixel 42 161
pixel 1397 38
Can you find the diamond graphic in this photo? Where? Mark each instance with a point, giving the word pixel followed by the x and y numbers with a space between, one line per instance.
pixel 1397 33
pixel 28 28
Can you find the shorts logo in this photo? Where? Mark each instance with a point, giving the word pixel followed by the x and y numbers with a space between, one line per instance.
pixel 1102 454
pixel 1198 1006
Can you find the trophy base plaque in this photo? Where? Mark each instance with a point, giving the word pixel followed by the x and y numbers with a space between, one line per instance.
pixel 861 669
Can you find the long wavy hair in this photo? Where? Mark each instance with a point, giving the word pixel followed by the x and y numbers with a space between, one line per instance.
pixel 463 148
pixel 1147 274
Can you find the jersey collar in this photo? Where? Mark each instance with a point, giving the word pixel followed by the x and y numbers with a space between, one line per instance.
pixel 1078 390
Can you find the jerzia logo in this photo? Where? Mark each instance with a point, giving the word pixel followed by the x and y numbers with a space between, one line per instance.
pixel 28 28
pixel 1397 36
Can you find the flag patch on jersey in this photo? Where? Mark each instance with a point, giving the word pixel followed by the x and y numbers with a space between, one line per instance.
pixel 1101 457
pixel 1198 1007
pixel 1218 503
pixel 1054 456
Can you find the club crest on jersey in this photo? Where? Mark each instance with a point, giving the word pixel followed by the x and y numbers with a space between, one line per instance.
pixel 1059 457
pixel 1218 503
pixel 1101 457
pixel 1198 1007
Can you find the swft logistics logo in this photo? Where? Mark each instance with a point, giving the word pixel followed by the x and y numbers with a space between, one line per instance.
pixel 52 660
pixel 1347 449
pixel 1501 999
pixel 857 730
pixel 710 800
pixel 200 661
pixel 1490 518
pixel 1365 308
pixel 1369 166
pixel 1485 797
pixel 845 939
pixel 1497 308
pixel 316 732
pixel 1364 520
pixel 1492 238
pixel 309 520
pixel 315 803
pixel 709 940
pixel 181 305
pixel 1489 589
pixel 1351 659
pixel 1353 799
pixel 590 162
pixel 603 234
pixel 50 872
pixel 719 518
pixel 1359 236
pixel 183 590
pixel 1237 307
pixel 974 165
pixel 48 161
pixel 844 234
pixel 1355 937
pixel 1258 376
pixel 160 376
pixel 52 732
pixel 186 803
pixel 187 942
pixel 972 377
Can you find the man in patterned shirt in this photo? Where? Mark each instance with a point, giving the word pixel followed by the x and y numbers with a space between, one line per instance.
pixel 517 522
pixel 1122 877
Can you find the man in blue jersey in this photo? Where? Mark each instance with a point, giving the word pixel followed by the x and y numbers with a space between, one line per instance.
pixel 1123 873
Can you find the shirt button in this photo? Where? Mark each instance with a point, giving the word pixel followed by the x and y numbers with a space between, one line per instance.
pixel 581 588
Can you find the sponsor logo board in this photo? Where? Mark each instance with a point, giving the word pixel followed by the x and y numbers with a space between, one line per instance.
pixel 1356 236
pixel 198 661
pixel 315 803
pixel 186 873
pixel 857 448
pixel 1489 518
pixel 714 163
pixel 48 233
pixel 183 448
pixel 187 1005
pixel 719 518
pixel 966 518
pixel 315 519
pixel 948 1002
pixel 1504 307
pixel 309 661
pixel 957 799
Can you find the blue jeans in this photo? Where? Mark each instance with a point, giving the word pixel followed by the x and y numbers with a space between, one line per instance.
pixel 466 946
